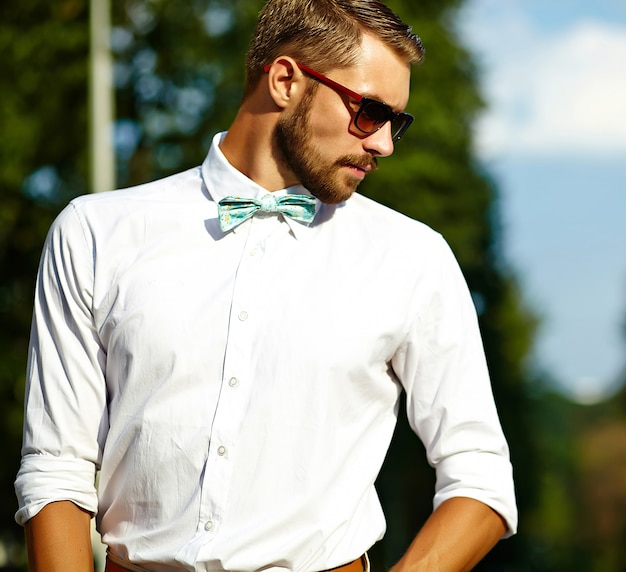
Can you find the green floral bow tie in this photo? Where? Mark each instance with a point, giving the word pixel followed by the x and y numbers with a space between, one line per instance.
pixel 234 210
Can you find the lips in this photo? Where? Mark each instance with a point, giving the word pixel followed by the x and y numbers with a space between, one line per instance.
pixel 364 168
pixel 359 165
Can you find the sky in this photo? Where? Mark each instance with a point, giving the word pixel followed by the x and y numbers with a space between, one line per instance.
pixel 553 136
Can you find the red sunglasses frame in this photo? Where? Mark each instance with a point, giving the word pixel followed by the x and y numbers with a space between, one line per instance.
pixel 406 118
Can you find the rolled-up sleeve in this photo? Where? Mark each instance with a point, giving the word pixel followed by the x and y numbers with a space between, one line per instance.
pixel 450 402
pixel 65 410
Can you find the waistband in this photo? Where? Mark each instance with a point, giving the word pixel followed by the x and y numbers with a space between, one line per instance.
pixel 361 564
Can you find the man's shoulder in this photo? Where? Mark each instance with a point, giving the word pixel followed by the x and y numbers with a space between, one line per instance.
pixel 161 203
pixel 174 188
pixel 385 220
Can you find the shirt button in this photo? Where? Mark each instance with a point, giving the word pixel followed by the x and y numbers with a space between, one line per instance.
pixel 254 252
pixel 208 525
pixel 233 381
pixel 221 450
pixel 243 316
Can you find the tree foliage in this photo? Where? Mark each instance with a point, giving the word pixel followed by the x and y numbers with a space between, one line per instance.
pixel 42 163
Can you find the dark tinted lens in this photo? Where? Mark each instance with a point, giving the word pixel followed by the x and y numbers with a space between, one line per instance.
pixel 372 115
pixel 399 124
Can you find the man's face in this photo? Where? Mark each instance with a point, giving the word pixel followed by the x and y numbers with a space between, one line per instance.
pixel 322 175
pixel 317 140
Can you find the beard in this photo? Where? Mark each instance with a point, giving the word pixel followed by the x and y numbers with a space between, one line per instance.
pixel 324 179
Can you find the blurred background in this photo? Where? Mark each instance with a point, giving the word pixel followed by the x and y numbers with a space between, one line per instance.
pixel 516 156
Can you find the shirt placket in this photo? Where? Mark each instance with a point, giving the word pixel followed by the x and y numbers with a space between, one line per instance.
pixel 237 376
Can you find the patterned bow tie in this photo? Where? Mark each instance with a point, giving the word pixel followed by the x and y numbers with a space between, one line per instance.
pixel 234 210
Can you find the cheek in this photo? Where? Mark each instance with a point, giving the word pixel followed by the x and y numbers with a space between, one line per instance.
pixel 329 119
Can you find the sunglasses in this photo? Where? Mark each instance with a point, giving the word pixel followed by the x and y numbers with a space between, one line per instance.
pixel 372 115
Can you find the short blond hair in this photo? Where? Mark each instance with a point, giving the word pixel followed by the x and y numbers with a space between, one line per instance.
pixel 325 34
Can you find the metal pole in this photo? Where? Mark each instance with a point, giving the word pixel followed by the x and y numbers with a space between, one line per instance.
pixel 101 149
pixel 101 98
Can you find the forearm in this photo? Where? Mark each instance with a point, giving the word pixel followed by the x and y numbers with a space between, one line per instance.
pixel 58 539
pixel 454 539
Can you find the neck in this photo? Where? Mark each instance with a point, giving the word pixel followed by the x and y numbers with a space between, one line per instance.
pixel 249 147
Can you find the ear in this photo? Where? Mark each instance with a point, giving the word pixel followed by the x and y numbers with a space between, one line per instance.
pixel 285 81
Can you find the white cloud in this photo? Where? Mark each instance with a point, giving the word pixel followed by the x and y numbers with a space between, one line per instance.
pixel 557 94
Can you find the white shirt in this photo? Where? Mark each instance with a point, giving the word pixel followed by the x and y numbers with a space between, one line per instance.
pixel 239 390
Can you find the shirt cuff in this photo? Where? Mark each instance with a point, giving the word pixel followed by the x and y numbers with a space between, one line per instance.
pixel 43 479
pixel 491 484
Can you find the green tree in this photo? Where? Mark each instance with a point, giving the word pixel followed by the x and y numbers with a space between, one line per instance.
pixel 179 76
pixel 42 163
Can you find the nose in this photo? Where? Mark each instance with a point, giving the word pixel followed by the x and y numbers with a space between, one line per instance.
pixel 380 142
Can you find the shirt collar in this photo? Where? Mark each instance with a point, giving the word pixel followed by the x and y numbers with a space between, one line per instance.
pixel 222 180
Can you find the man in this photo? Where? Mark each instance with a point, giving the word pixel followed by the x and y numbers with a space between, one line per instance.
pixel 235 377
